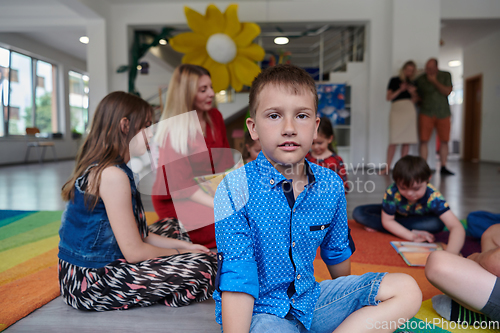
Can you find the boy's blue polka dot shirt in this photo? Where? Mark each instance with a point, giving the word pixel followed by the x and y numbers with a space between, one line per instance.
pixel 265 246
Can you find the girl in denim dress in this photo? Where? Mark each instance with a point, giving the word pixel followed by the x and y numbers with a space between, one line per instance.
pixel 109 258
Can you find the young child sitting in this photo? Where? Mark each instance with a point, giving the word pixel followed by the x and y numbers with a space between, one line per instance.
pixel 272 215
pixel 108 257
pixel 322 152
pixel 412 208
pixel 252 148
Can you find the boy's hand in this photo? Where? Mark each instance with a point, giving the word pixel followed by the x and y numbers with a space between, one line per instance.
pixel 422 236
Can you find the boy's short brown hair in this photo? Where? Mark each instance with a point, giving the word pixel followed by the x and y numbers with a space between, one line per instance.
pixel 411 169
pixel 290 77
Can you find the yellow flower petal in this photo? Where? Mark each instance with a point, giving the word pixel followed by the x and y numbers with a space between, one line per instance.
pixel 233 25
pixel 218 73
pixel 248 33
pixel 215 20
pixel 187 42
pixel 196 21
pixel 235 83
pixel 246 70
pixel 254 52
pixel 197 57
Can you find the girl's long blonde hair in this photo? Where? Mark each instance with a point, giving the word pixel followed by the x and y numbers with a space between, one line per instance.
pixel 106 143
pixel 402 75
pixel 180 99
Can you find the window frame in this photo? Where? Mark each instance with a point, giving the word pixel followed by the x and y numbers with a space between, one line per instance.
pixel 82 73
pixel 55 88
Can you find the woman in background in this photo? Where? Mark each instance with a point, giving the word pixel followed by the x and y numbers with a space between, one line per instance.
pixel 403 117
pixel 188 145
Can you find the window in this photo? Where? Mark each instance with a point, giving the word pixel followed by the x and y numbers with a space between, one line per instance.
pixel 4 88
pixel 20 113
pixel 28 95
pixel 78 101
pixel 46 97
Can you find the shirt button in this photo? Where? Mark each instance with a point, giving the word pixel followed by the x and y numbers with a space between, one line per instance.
pixel 322 227
pixel 293 244
pixel 271 181
pixel 293 301
pixel 298 277
pixel 294 210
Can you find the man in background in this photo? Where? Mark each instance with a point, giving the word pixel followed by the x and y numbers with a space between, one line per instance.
pixel 433 87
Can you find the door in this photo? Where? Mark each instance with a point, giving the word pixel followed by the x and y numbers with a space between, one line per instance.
pixel 472 121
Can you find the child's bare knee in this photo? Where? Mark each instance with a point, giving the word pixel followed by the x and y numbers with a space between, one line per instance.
pixel 436 265
pixel 400 284
pixel 404 289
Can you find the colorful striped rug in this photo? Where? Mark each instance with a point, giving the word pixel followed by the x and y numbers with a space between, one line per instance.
pixel 28 261
pixel 28 266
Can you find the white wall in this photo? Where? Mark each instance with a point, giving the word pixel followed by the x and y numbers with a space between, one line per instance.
pixel 469 9
pixel 415 36
pixel 481 57
pixel 159 76
pixel 13 149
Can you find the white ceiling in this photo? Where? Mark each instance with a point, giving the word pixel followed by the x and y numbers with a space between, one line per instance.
pixel 458 34
pixel 62 39
pixel 455 34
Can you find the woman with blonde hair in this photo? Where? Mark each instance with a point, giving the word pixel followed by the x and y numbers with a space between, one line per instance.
pixel 403 116
pixel 188 143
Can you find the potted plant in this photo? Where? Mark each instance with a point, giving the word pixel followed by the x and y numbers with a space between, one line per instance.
pixel 75 134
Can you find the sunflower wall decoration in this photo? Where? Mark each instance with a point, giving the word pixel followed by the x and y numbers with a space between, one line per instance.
pixel 222 44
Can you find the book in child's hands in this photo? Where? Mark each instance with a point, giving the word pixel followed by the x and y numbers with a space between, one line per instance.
pixel 415 254
pixel 209 183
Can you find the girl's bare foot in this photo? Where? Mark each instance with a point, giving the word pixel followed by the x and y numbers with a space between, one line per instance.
pixel 370 229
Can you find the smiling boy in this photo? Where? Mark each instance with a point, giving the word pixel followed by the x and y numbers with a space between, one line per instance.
pixel 273 214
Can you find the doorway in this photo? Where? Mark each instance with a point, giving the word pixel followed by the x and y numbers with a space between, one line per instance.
pixel 472 119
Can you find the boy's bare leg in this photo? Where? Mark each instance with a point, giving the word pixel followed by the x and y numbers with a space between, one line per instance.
pixel 455 275
pixel 400 299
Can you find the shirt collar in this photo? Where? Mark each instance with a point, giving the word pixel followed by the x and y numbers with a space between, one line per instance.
pixel 272 177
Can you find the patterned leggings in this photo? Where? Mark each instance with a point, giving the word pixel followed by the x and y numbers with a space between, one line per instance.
pixel 175 280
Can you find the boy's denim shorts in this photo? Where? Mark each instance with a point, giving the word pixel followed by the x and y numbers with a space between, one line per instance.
pixel 338 299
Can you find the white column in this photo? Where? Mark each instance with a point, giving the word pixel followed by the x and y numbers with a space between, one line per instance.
pixel 416 30
pixel 97 63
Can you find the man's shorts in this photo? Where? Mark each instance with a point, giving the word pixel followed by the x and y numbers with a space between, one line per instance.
pixel 426 124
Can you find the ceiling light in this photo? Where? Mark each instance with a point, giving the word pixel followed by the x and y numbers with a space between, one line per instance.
pixel 84 40
pixel 139 67
pixel 163 41
pixel 85 78
pixel 454 63
pixel 281 40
